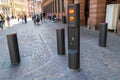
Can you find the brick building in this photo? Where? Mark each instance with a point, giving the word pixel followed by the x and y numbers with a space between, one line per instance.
pixel 92 12
pixel 34 6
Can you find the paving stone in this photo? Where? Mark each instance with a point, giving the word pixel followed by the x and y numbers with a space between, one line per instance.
pixel 38 45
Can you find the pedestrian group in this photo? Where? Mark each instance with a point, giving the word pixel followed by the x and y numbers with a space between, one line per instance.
pixel 40 18
pixel 37 19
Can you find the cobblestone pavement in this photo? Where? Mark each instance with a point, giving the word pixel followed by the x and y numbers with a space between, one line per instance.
pixel 39 59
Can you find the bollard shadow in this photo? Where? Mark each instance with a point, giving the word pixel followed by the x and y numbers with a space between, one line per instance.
pixel 7 64
pixel 25 61
pixel 14 65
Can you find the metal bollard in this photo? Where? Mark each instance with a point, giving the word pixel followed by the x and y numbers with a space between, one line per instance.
pixel 102 34
pixel 74 36
pixel 63 19
pixel 73 61
pixel 61 41
pixel 13 48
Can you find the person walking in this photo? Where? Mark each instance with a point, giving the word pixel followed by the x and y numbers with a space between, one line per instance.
pixel 1 21
pixel 1 26
pixel 37 19
pixel 53 17
pixel 8 21
pixel 18 18
pixel 34 19
pixel 41 15
pixel 25 18
pixel 22 19
pixel 44 16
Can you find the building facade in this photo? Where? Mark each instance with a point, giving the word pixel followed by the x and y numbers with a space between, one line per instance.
pixel 56 7
pixel 13 8
pixel 19 7
pixel 34 6
pixel 31 7
pixel 38 6
pixel 5 7
pixel 92 12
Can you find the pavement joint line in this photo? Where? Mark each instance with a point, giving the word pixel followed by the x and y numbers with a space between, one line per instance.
pixel 43 64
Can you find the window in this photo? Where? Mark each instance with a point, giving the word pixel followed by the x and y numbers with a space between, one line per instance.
pixel 111 1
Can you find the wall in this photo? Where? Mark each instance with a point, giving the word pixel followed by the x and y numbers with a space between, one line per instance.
pixel 118 1
pixel 82 9
pixel 82 12
pixel 97 13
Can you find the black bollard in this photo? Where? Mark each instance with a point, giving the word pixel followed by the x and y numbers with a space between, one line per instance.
pixel 102 34
pixel 63 19
pixel 74 36
pixel 74 59
pixel 61 41
pixel 13 48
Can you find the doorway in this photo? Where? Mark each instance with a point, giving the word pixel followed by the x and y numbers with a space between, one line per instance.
pixel 111 1
pixel 87 8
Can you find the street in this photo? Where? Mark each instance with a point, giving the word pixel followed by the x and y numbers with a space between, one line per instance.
pixel 40 61
pixel 13 22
